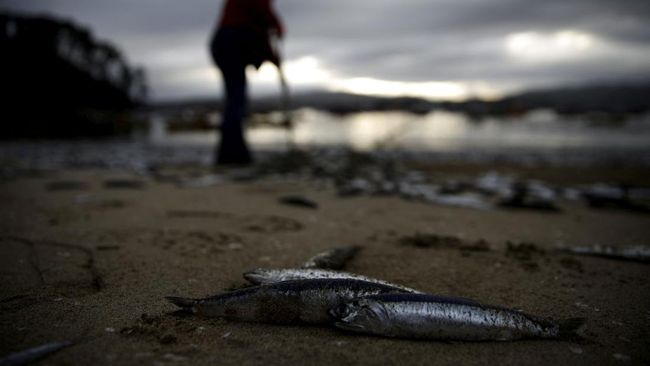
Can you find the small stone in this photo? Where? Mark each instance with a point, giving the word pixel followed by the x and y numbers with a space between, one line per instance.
pixel 235 246
pixel 576 350
pixel 621 357
pixel 226 335
pixel 167 339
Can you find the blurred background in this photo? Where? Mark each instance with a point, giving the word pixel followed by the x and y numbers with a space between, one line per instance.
pixel 491 80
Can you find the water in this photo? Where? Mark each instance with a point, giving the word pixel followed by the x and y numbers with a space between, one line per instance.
pixel 538 138
pixel 438 132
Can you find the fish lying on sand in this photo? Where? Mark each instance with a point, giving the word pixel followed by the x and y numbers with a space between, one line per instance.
pixel 290 302
pixel 633 253
pixel 445 318
pixel 32 354
pixel 332 259
pixel 267 276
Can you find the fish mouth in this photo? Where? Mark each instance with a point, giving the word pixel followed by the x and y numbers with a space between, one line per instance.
pixel 349 326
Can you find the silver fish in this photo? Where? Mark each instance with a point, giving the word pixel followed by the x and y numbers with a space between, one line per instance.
pixel 266 276
pixel 445 318
pixel 32 354
pixel 290 302
pixel 633 253
pixel 332 259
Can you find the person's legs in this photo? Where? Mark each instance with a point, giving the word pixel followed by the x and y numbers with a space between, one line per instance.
pixel 232 148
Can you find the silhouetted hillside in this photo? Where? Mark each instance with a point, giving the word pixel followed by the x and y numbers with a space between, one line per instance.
pixel 59 81
pixel 606 99
pixel 598 98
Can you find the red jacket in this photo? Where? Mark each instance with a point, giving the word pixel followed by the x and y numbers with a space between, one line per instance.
pixel 257 15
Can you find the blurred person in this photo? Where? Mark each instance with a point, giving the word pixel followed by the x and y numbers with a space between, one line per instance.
pixel 242 38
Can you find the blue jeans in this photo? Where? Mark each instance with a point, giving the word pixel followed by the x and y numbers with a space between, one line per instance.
pixel 230 49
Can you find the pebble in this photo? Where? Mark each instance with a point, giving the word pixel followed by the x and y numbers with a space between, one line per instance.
pixel 621 357
pixel 576 350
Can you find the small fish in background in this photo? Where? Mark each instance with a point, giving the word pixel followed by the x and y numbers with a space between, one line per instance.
pixel 419 316
pixel 32 354
pixel 332 259
pixel 622 197
pixel 289 302
pixel 639 253
pixel 266 276
pixel 298 201
pixel 531 195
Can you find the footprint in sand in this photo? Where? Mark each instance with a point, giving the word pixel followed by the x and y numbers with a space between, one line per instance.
pixel 272 224
pixel 194 243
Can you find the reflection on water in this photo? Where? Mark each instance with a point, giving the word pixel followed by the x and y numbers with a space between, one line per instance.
pixel 439 132
pixel 539 138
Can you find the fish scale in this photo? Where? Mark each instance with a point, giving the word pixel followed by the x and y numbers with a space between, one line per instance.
pixel 268 275
pixel 289 302
pixel 437 317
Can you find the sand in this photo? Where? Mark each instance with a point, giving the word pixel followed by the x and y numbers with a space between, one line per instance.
pixel 88 261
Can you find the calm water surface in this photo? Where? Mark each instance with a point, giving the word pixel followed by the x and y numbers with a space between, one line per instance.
pixel 440 132
pixel 537 138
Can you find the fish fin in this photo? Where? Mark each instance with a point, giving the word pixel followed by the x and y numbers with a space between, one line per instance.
pixel 572 328
pixel 182 302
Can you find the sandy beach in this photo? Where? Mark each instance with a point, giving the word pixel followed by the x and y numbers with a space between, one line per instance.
pixel 88 256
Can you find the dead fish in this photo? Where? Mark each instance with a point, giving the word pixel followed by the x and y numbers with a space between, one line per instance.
pixel 332 259
pixel 32 354
pixel 638 253
pixel 445 318
pixel 266 276
pixel 290 302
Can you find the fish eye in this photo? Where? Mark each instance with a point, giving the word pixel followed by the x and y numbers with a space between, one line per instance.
pixel 341 310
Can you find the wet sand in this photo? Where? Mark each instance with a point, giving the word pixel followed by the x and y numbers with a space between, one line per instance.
pixel 87 257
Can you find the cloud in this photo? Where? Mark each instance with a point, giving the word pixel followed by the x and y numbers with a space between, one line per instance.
pixel 501 45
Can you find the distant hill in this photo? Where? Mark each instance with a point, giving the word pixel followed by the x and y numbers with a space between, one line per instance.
pixel 58 80
pixel 596 98
pixel 606 99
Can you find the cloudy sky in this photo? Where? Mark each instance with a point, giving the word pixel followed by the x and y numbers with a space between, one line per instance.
pixel 438 49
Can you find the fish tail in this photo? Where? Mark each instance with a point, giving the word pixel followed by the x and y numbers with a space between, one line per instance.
pixel 572 328
pixel 182 302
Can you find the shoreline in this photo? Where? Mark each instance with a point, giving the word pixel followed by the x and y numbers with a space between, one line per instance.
pixel 104 253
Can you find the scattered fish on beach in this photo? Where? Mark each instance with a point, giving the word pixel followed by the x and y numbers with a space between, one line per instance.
pixel 32 354
pixel 332 259
pixel 298 201
pixel 638 253
pixel 267 276
pixel 616 197
pixel 531 196
pixel 421 316
pixel 289 302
